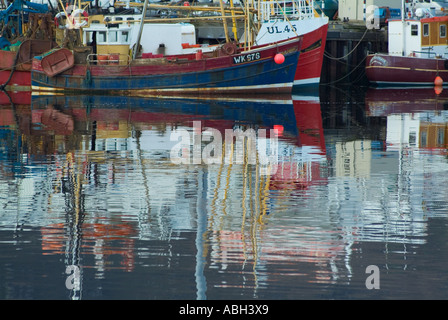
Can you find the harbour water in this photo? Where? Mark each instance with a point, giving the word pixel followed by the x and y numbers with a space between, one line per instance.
pixel 100 200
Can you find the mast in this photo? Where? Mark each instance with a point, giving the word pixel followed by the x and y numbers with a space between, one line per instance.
pixel 403 26
pixel 234 29
pixel 224 21
pixel 142 22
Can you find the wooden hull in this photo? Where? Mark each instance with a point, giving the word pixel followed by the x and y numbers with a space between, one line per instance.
pixel 252 71
pixel 383 69
pixel 15 66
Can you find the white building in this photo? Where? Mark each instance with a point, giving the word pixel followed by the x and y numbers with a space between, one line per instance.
pixel 356 10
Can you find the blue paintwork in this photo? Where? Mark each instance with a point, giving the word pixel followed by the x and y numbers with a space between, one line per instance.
pixel 255 73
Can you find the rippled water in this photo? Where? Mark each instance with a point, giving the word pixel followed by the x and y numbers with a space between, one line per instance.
pixel 96 184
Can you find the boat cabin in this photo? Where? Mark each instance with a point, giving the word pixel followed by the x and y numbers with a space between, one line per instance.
pixel 108 38
pixel 425 37
pixel 118 35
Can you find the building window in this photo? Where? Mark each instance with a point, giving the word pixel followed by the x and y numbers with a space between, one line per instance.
pixel 442 30
pixel 414 30
pixel 426 29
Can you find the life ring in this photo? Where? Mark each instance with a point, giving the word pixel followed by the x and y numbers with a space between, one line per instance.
pixel 77 23
pixel 57 19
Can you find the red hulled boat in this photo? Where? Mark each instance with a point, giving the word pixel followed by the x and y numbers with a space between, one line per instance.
pixel 418 53
pixel 284 19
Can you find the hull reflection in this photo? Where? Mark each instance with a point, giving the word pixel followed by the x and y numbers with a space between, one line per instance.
pixel 384 101
pixel 81 154
pixel 93 182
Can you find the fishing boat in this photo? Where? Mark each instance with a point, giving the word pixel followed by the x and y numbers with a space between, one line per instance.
pixel 285 19
pixel 272 21
pixel 418 51
pixel 26 32
pixel 245 71
pixel 275 20
pixel 269 68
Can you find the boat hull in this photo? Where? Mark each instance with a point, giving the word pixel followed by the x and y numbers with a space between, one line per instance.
pixel 17 80
pixel 253 71
pixel 309 67
pixel 314 32
pixel 383 69
pixel 13 77
pixel 15 66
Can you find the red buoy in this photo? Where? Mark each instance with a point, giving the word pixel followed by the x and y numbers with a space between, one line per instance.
pixel 279 58
pixel 279 129
pixel 438 81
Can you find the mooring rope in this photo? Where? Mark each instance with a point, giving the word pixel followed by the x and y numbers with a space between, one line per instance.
pixel 348 74
pixel 340 58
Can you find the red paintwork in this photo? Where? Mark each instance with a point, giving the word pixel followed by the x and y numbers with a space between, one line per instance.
pixel 438 19
pixel 21 75
pixel 310 61
pixel 405 70
pixel 17 98
pixel 309 124
pixel 168 74
pixel 22 60
pixel 57 62
pixel 381 102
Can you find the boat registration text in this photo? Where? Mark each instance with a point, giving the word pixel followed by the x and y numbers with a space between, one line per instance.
pixel 247 57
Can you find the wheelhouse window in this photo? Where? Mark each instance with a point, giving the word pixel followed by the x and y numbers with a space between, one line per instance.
pixel 440 136
pixel 124 36
pixel 426 29
pixel 414 30
pixel 443 31
pixel 88 37
pixel 101 36
pixel 113 36
pixel 423 139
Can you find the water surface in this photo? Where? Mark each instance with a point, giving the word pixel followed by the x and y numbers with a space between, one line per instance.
pixel 91 182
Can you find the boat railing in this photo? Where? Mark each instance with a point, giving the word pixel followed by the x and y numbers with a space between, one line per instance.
pixel 286 9
pixel 108 59
pixel 428 53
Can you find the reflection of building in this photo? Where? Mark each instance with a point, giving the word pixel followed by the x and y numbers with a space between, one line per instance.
pixel 90 157
pixel 353 158
pixel 110 187
pixel 421 130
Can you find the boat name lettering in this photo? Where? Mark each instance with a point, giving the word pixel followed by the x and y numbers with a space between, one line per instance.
pixel 286 29
pixel 247 57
